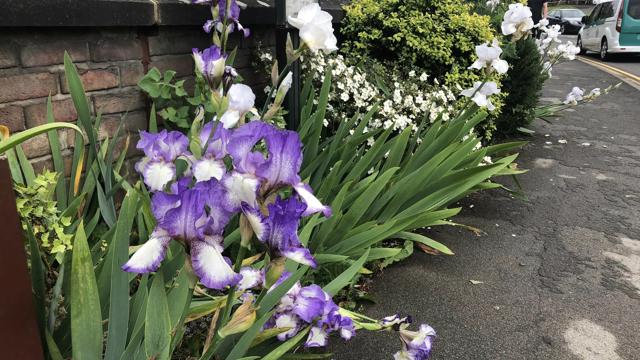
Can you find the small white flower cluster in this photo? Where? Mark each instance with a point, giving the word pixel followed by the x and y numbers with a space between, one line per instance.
pixel 493 4
pixel 408 100
pixel 577 95
pixel 553 50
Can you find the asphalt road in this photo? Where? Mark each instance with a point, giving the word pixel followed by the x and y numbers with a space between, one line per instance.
pixel 560 272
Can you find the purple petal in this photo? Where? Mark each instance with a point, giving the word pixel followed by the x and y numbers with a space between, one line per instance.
pixel 347 329
pixel 186 221
pixel 234 10
pixel 163 145
pixel 309 303
pixel 210 266
pixel 219 208
pixel 284 218
pixel 241 145
pixel 285 158
pixel 208 25
pixel 148 257
pixel 162 202
pixel 218 142
pixel 313 204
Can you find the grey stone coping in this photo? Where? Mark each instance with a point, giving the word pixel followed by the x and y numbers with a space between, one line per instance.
pixel 120 13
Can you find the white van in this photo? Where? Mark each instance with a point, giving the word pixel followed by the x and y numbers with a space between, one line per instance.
pixel 612 27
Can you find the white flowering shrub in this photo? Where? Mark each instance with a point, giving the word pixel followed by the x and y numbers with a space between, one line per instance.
pixel 403 100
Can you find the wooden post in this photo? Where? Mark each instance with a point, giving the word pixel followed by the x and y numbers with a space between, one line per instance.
pixel 292 101
pixel 19 335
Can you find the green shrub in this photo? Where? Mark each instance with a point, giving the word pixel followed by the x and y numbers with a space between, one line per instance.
pixel 438 36
pixel 523 84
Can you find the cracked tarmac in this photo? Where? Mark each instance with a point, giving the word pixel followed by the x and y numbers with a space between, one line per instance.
pixel 567 285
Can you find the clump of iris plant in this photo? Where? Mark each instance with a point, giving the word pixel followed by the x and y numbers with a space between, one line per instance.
pixel 236 165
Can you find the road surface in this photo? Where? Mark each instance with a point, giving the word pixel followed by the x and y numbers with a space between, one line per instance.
pixel 560 272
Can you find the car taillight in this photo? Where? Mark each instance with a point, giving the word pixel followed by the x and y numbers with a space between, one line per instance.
pixel 620 15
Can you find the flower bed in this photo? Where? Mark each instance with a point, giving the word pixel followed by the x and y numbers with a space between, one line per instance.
pixel 238 238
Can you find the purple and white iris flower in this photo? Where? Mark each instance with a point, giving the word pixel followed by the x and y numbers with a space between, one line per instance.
pixel 161 150
pixel 310 306
pixel 195 209
pixel 232 16
pixel 196 217
pixel 416 345
pixel 210 63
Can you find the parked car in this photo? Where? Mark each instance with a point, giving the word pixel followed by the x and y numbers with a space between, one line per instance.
pixel 570 20
pixel 612 27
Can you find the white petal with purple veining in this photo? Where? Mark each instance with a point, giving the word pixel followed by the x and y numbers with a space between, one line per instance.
pixel 300 255
pixel 256 220
pixel 241 188
pixel 207 169
pixel 287 321
pixel 317 337
pixel 210 266
pixel 157 174
pixel 150 255
pixel 251 278
pixel 313 204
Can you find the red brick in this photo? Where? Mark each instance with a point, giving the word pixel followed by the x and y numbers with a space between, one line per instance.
pixel 39 165
pixel 48 52
pixel 131 73
pixel 63 110
pixel 116 103
pixel 96 79
pixel 8 57
pixel 36 146
pixel 133 121
pixel 116 49
pixel 12 117
pixel 27 86
pixel 182 64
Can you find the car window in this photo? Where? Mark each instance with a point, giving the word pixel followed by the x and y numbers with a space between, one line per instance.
pixel 606 11
pixel 594 14
pixel 572 13
pixel 633 9
pixel 554 13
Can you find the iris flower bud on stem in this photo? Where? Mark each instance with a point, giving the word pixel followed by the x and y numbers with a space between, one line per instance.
pixel 246 231
pixel 241 320
pixel 276 268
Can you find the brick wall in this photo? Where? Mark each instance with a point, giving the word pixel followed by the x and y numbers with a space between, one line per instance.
pixel 110 62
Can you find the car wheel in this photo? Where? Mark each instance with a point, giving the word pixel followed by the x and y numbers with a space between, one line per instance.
pixel 562 29
pixel 604 50
pixel 579 43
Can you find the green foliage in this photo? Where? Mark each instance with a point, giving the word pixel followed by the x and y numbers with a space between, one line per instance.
pixel 169 96
pixel 39 212
pixel 436 35
pixel 381 189
pixel 523 85
pixel 394 187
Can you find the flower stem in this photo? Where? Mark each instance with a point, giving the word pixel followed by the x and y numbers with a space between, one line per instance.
pixel 281 76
